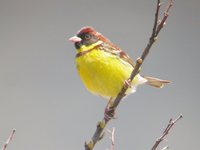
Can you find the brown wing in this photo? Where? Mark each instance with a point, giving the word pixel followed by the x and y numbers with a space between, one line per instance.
pixel 126 58
pixel 111 48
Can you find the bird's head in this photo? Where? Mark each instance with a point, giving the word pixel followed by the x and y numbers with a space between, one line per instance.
pixel 86 36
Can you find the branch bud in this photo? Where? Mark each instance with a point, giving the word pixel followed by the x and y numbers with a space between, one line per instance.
pixel 139 60
pixel 89 145
pixel 101 124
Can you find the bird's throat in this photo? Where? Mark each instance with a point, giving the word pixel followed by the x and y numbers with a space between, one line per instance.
pixel 86 49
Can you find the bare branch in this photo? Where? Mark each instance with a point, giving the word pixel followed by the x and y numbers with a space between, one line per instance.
pixel 165 16
pixel 112 138
pixel 155 31
pixel 8 140
pixel 164 148
pixel 165 132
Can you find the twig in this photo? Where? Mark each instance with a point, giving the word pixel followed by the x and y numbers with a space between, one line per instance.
pixel 156 29
pixel 165 16
pixel 164 148
pixel 112 138
pixel 8 140
pixel 165 132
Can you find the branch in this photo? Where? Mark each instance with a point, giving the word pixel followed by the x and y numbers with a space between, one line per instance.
pixel 112 138
pixel 8 140
pixel 156 29
pixel 164 148
pixel 165 132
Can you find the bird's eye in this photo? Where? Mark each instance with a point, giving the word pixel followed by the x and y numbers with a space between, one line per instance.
pixel 87 36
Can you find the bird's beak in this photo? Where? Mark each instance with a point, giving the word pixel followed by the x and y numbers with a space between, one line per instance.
pixel 74 39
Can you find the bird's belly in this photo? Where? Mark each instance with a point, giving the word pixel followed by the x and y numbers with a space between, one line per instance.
pixel 103 73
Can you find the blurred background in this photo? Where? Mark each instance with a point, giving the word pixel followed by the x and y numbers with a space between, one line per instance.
pixel 42 96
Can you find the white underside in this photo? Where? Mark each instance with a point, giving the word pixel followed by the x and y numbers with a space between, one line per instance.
pixel 141 81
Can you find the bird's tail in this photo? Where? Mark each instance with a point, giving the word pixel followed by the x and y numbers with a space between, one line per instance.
pixel 155 82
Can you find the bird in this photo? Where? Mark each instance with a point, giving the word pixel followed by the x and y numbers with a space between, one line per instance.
pixel 104 68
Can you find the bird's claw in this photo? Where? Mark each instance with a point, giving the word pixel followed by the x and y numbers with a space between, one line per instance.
pixel 109 113
pixel 127 83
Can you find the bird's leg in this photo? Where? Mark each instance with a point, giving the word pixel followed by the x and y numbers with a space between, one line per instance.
pixel 109 111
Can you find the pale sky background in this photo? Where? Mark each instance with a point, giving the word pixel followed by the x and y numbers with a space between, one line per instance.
pixel 42 96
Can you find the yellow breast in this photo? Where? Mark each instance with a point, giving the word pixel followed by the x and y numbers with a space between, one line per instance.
pixel 103 73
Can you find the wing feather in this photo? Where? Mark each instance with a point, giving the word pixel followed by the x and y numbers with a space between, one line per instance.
pixel 117 52
pixel 109 47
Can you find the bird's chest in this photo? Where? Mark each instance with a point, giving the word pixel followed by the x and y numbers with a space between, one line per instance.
pixel 95 66
pixel 102 73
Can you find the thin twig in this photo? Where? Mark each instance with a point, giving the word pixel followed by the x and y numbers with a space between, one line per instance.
pixel 165 132
pixel 164 148
pixel 8 140
pixel 155 31
pixel 112 138
pixel 165 16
